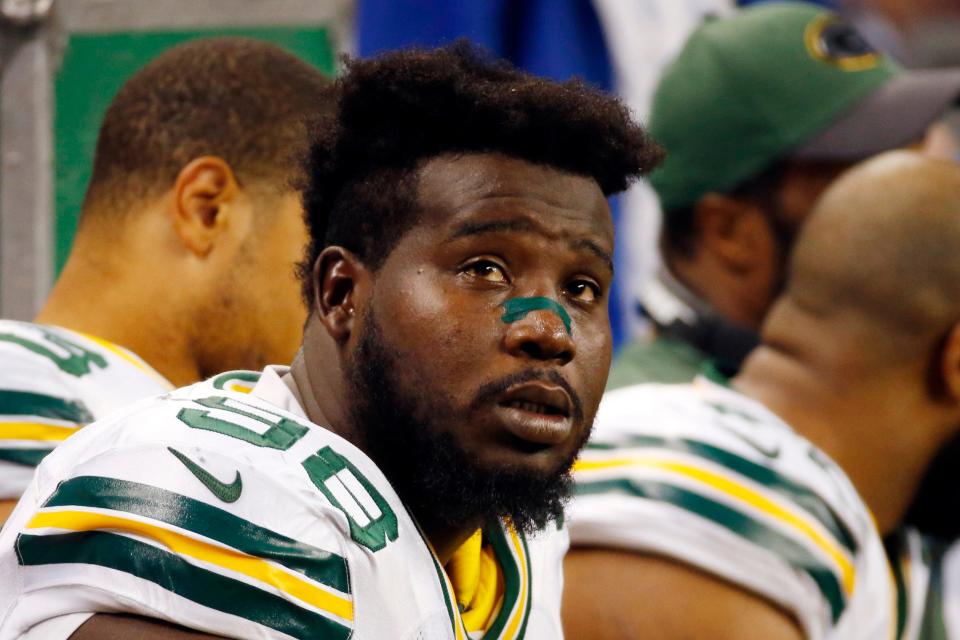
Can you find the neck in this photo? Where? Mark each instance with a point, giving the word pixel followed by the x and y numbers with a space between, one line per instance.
pixel 445 539
pixel 858 422
pixel 128 302
pixel 312 393
pixel 321 388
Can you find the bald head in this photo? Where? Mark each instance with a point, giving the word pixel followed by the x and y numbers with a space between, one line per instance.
pixel 882 249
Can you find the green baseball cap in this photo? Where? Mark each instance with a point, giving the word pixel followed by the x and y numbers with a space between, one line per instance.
pixel 778 80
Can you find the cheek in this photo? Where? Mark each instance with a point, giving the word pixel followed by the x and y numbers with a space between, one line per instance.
pixel 594 355
pixel 284 323
pixel 445 333
pixel 762 281
pixel 277 312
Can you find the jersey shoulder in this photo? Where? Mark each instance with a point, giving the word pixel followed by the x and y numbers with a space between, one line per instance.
pixel 41 403
pixel 194 507
pixel 55 349
pixel 50 373
pixel 715 423
pixel 707 476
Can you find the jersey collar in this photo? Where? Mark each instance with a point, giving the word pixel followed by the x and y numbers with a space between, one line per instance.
pixel 271 388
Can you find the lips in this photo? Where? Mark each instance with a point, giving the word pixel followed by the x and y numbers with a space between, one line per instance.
pixel 536 412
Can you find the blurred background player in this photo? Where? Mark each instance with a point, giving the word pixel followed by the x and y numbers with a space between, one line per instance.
pixel 758 510
pixel 183 263
pixel 759 113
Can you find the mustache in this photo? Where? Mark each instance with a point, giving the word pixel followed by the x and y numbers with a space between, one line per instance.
pixel 491 390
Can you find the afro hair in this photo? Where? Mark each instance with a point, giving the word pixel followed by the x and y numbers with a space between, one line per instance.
pixel 403 108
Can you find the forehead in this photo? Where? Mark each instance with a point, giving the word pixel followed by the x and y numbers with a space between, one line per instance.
pixel 456 188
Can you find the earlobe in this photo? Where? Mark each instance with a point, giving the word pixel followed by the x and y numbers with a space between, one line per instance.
pixel 201 196
pixel 336 274
pixel 950 364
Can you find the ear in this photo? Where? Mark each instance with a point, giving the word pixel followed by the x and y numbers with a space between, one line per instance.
pixel 734 231
pixel 950 364
pixel 338 279
pixel 203 191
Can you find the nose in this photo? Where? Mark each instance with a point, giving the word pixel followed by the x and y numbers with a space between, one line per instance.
pixel 540 335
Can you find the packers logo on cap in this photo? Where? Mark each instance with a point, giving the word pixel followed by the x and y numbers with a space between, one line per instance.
pixel 831 40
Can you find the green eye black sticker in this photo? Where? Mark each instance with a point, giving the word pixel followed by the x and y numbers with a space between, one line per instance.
pixel 517 308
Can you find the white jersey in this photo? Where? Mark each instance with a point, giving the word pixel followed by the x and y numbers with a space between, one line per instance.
pixel 233 514
pixel 54 381
pixel 704 475
pixel 944 603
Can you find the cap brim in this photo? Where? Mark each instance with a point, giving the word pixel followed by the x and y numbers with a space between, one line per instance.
pixel 895 115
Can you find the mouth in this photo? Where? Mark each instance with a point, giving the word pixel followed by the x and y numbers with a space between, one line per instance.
pixel 536 412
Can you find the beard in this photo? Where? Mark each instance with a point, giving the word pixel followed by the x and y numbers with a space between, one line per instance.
pixel 407 433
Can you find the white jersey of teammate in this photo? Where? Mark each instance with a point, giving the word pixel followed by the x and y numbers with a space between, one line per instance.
pixel 233 514
pixel 54 381
pixel 945 593
pixel 702 474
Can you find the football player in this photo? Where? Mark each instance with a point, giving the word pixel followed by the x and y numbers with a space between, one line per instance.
pixel 183 262
pixel 756 508
pixel 404 478
pixel 760 112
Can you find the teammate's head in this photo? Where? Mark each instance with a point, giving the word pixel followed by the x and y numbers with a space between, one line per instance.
pixel 873 295
pixel 447 185
pixel 880 252
pixel 760 112
pixel 207 136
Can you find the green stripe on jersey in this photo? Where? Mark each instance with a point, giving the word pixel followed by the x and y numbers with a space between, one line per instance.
pixel 761 474
pixel 735 521
pixel 26 457
pixel 26 403
pixel 933 626
pixel 448 598
pixel 897 547
pixel 526 614
pixel 78 362
pixel 221 380
pixel 175 574
pixel 206 520
pixel 498 538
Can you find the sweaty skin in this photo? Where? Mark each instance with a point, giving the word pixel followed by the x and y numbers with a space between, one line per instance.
pixel 492 229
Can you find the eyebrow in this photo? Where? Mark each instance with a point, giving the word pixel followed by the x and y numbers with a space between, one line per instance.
pixel 525 226
pixel 495 226
pixel 596 250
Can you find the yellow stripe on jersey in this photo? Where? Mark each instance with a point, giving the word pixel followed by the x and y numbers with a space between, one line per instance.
pixel 894 607
pixel 231 559
pixel 517 616
pixel 742 493
pixel 240 387
pixel 35 431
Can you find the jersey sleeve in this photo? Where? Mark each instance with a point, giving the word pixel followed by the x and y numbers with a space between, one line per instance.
pixel 718 508
pixel 196 535
pixel 39 409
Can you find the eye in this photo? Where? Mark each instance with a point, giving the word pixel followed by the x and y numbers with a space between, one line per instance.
pixel 487 270
pixel 583 290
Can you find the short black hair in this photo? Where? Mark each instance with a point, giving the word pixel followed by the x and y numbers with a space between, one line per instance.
pixel 405 107
pixel 241 99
